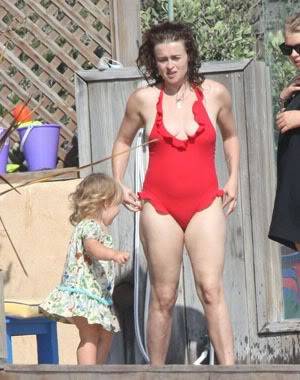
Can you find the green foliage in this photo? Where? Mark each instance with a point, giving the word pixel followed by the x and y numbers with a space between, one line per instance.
pixel 223 28
pixel 276 12
pixel 282 71
pixel 3 111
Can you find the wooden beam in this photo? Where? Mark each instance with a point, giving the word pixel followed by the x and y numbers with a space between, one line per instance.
pixel 125 30
pixel 84 137
pixel 22 177
pixel 133 72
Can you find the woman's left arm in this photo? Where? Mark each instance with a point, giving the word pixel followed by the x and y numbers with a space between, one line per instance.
pixel 287 120
pixel 226 124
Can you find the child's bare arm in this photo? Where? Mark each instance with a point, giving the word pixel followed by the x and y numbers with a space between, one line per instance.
pixel 100 252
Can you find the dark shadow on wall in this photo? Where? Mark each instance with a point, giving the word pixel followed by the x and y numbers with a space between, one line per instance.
pixel 71 158
pixel 188 337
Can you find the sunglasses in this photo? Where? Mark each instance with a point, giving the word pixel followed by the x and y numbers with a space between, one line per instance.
pixel 287 49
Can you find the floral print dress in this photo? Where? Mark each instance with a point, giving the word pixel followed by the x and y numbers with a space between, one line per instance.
pixel 87 283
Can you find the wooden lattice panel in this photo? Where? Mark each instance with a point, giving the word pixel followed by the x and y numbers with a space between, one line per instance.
pixel 42 44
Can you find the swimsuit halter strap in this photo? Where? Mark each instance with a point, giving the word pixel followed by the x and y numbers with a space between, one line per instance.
pixel 198 92
pixel 159 102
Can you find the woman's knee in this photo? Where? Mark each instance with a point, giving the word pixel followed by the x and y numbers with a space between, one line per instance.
pixel 211 294
pixel 163 299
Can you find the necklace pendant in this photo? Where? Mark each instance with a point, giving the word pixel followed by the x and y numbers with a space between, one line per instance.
pixel 179 103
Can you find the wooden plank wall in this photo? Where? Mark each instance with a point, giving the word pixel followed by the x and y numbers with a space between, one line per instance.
pixel 252 282
pixel 105 112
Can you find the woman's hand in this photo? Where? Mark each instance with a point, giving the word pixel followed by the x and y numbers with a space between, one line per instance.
pixel 287 120
pixel 289 90
pixel 131 200
pixel 230 196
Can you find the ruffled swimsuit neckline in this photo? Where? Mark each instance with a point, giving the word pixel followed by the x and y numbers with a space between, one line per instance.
pixel 199 116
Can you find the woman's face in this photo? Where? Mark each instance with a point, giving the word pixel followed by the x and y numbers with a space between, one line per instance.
pixel 293 39
pixel 172 61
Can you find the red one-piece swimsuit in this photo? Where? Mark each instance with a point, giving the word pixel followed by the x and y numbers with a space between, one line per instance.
pixel 181 176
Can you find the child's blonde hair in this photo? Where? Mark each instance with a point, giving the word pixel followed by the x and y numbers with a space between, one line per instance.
pixel 94 193
pixel 292 24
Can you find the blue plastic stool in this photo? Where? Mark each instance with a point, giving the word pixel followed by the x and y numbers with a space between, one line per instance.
pixel 46 337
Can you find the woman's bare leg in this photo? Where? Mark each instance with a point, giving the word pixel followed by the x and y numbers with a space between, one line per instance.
pixel 162 240
pixel 205 240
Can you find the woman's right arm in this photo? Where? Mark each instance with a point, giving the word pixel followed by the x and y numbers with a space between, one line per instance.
pixel 290 89
pixel 287 120
pixel 132 122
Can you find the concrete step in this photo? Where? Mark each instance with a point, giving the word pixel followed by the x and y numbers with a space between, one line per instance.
pixel 144 372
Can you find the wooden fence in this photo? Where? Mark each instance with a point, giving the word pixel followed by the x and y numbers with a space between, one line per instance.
pixel 44 42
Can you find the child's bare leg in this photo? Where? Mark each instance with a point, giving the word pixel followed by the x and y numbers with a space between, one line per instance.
pixel 89 340
pixel 104 346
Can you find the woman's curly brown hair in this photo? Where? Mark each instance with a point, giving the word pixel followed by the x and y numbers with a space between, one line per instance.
pixel 168 31
pixel 92 194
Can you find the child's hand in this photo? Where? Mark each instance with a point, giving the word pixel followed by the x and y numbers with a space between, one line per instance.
pixel 121 257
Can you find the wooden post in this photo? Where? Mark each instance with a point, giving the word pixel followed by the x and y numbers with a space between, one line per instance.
pixel 2 323
pixel 125 30
pixel 82 107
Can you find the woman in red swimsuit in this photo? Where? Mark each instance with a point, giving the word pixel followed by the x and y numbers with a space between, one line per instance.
pixel 181 202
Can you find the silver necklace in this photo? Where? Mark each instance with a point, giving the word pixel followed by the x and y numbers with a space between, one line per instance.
pixel 179 99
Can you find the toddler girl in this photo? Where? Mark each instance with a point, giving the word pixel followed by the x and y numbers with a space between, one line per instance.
pixel 84 296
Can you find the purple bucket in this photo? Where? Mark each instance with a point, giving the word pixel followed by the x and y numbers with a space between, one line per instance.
pixel 3 153
pixel 40 145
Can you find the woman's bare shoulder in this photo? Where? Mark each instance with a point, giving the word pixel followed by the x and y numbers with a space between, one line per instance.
pixel 143 96
pixel 214 88
pixel 144 92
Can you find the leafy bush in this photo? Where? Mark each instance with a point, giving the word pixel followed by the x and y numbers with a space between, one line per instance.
pixel 225 31
pixel 282 71
pixel 223 28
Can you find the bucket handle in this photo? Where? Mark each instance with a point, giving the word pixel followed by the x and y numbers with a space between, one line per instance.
pixel 26 134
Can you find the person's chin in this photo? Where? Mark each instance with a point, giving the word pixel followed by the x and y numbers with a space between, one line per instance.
pixel 175 81
pixel 296 63
pixel 107 222
pixel 171 78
